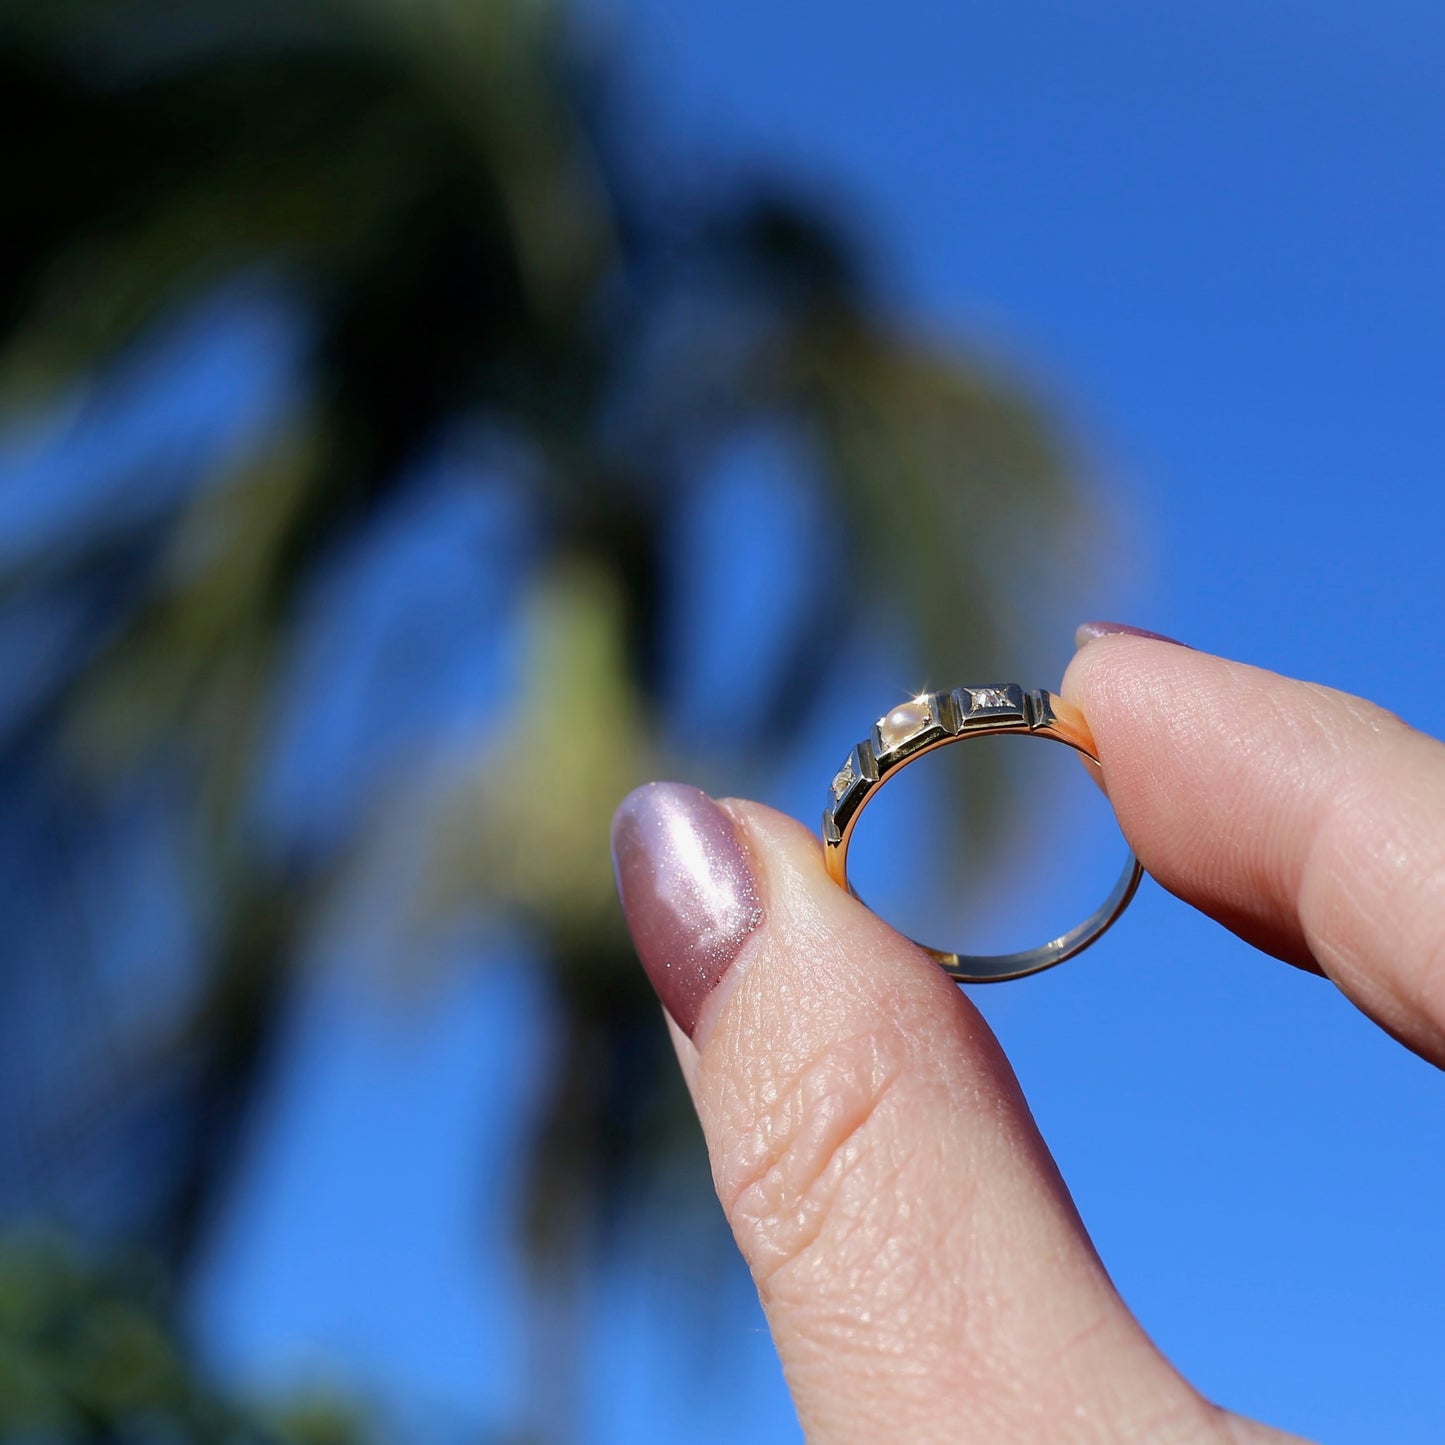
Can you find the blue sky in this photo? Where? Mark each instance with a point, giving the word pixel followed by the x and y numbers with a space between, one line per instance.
pixel 1209 238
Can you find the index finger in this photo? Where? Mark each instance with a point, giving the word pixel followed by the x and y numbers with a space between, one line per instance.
pixel 1310 822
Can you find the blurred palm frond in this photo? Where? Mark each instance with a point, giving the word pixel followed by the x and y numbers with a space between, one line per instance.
pixel 446 198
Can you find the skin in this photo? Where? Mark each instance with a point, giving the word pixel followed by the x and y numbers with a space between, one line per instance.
pixel 924 1272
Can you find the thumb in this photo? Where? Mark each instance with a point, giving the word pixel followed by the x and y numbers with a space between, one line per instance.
pixel 920 1261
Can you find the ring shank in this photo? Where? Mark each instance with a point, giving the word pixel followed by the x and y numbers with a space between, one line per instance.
pixel 950 718
pixel 999 967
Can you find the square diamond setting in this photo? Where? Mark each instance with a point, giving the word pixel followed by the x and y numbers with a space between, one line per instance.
pixel 1003 702
pixel 850 783
pixel 989 696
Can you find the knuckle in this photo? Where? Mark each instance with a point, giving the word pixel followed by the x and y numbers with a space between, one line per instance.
pixel 819 1159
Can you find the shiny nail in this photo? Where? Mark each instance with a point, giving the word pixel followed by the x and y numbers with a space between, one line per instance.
pixel 1088 631
pixel 687 890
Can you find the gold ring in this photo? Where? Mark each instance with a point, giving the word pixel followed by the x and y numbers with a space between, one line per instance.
pixel 933 720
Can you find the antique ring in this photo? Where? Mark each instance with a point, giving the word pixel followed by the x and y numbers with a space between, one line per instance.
pixel 933 720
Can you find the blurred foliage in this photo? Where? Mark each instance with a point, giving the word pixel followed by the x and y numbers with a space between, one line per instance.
pixel 476 229
pixel 87 1352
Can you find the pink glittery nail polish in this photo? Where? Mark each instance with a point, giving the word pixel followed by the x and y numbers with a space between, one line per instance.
pixel 687 889
pixel 1088 631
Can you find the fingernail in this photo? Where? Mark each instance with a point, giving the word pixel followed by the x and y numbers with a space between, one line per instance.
pixel 687 889
pixel 1088 631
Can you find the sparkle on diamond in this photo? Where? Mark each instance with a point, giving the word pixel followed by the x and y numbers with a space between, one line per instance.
pixel 844 779
pixel 989 697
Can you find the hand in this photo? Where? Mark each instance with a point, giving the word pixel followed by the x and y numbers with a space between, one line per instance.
pixel 922 1266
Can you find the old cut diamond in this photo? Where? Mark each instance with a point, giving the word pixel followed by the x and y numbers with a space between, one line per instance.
pixel 844 779
pixel 989 697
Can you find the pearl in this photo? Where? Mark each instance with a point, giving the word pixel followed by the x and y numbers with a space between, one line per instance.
pixel 904 722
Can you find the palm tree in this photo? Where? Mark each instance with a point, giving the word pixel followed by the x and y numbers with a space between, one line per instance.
pixel 473 244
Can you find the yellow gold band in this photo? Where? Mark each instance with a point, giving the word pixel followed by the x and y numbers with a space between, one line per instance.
pixel 933 720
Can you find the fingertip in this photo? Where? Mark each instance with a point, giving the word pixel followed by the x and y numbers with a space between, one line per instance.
pixel 1106 650
pixel 1144 698
pixel 783 837
pixel 1268 803
pixel 813 927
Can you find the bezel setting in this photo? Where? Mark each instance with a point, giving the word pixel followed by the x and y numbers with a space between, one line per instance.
pixel 992 704
pixel 912 725
pixel 917 724
pixel 849 787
